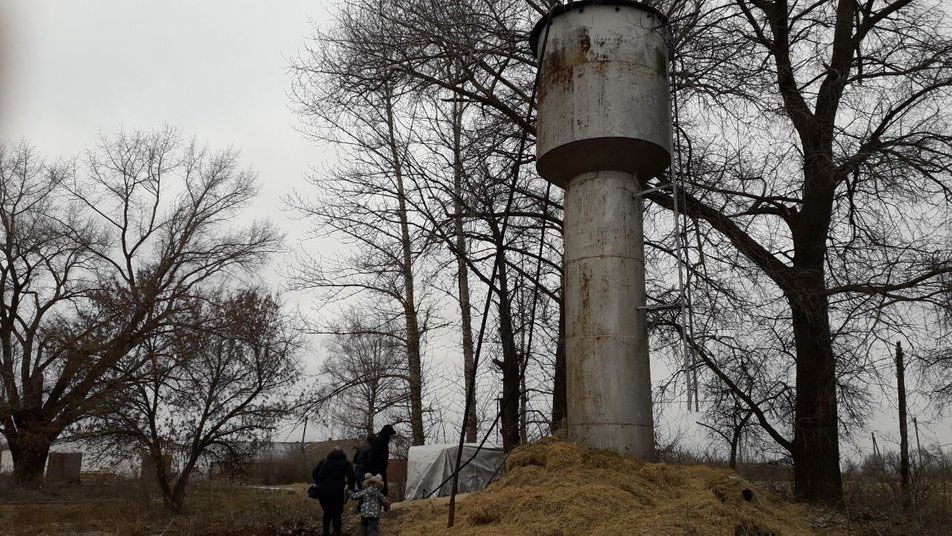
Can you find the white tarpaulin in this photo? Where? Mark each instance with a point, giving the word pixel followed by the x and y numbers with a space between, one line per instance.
pixel 428 466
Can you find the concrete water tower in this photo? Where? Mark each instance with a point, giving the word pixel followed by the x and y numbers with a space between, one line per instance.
pixel 604 127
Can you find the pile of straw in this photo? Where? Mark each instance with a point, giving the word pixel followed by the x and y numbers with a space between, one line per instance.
pixel 559 488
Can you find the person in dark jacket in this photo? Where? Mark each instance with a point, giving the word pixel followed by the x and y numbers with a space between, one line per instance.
pixel 360 458
pixel 379 456
pixel 333 476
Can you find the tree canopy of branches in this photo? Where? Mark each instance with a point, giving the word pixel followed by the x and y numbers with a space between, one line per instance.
pixel 843 226
pixel 366 366
pixel 455 166
pixel 96 258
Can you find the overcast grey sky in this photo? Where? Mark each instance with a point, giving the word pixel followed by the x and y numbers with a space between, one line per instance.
pixel 217 69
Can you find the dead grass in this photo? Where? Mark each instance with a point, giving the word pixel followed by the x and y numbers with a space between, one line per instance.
pixel 551 488
pixel 873 505
pixel 558 488
pixel 212 508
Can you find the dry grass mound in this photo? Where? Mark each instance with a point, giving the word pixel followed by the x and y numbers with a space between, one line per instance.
pixel 558 488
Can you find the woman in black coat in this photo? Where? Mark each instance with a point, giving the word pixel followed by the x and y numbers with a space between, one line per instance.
pixel 333 476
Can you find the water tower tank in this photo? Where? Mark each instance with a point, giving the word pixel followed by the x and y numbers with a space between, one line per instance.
pixel 604 101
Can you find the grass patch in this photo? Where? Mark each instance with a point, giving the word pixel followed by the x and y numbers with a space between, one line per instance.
pixel 127 507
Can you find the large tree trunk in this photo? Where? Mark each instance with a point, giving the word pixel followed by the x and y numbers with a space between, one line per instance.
pixel 509 364
pixel 815 447
pixel 466 317
pixel 176 500
pixel 171 485
pixel 32 434
pixel 523 411
pixel 737 435
pixel 732 462
pixel 173 496
pixel 29 448
pixel 816 450
pixel 169 500
pixel 414 360
pixel 163 476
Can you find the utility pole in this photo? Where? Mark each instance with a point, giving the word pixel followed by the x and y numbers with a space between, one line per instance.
pixel 915 424
pixel 903 431
pixel 303 433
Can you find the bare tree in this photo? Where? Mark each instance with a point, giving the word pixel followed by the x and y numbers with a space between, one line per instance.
pixel 210 388
pixel 368 371
pixel 46 243
pixel 729 418
pixel 97 259
pixel 462 270
pixel 833 222
pixel 475 145
pixel 372 202
pixel 903 431
pixel 480 196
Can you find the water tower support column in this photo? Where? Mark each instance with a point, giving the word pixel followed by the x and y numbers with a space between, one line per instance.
pixel 608 379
